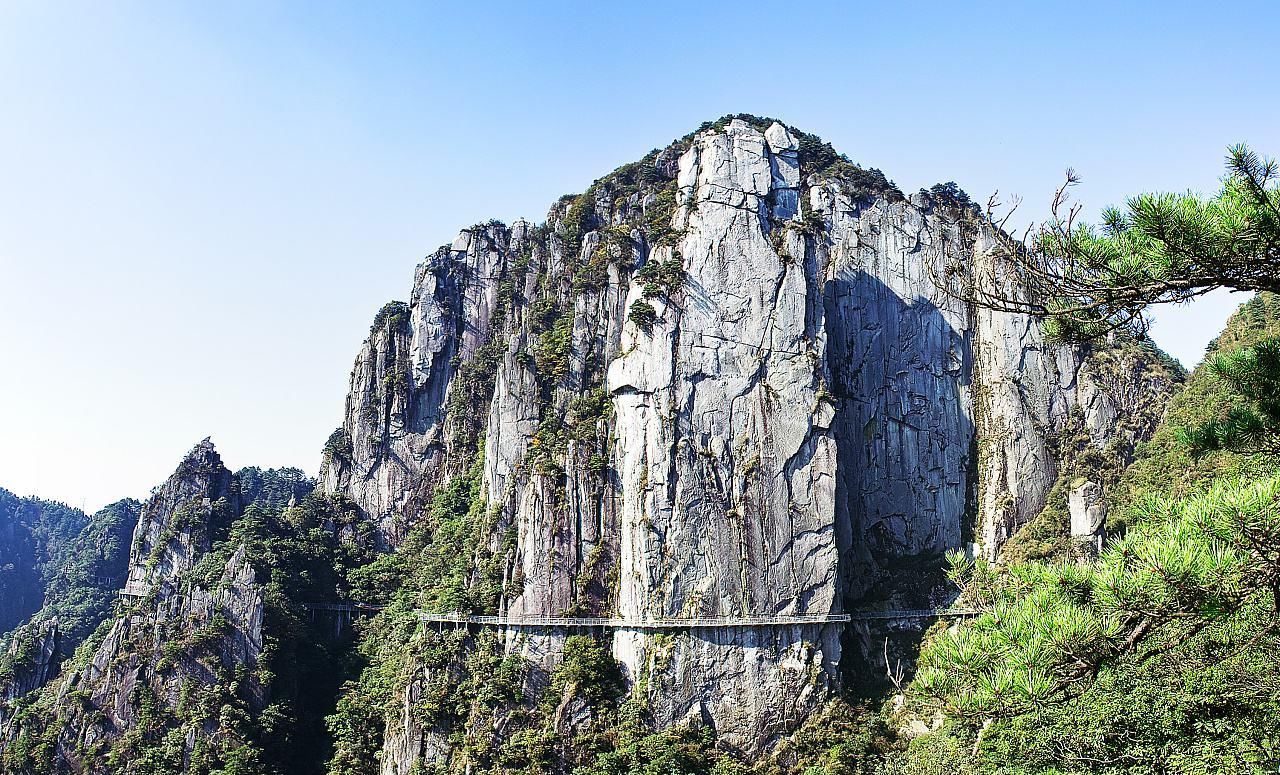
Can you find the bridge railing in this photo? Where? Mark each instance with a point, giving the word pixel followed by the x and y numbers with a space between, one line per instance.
pixel 657 623
pixel 671 623
pixel 135 589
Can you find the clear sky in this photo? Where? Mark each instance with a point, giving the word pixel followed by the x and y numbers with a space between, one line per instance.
pixel 202 205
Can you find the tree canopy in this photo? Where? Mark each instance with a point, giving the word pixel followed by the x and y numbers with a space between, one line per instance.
pixel 1252 426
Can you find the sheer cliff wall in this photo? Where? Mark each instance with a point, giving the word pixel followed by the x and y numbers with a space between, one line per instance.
pixel 724 381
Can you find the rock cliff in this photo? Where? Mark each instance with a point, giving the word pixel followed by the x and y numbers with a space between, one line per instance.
pixel 726 380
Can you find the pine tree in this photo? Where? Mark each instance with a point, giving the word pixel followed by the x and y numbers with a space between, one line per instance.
pixel 1252 426
pixel 1161 248
pixel 1049 628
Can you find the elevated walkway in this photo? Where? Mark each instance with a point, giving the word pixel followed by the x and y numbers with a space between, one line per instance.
pixel 618 623
pixel 135 589
pixel 689 623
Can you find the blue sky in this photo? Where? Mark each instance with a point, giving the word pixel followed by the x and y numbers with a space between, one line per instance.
pixel 202 205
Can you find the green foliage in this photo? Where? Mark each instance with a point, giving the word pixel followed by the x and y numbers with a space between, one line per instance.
pixel 1252 425
pixel 589 670
pixel 338 445
pixel 862 184
pixel 816 154
pixel 34 536
pixel 1165 463
pixel 580 218
pixel 1137 376
pixel 1160 657
pixel 273 489
pixel 444 565
pixel 947 752
pixel 217 722
pixel 681 750
pixel 1067 328
pixel 643 315
pixel 473 382
pixel 840 739
pixel 950 194
pixel 1194 700
pixel 1159 248
pixel 393 317
pixel 443 551
pixel 662 278
pixel 615 247
pixel 83 579
pixel 585 412
pixel 555 339
pixel 1050 627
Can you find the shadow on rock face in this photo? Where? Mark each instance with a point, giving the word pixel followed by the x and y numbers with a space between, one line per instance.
pixel 901 371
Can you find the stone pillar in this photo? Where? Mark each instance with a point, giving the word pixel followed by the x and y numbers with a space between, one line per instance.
pixel 1088 515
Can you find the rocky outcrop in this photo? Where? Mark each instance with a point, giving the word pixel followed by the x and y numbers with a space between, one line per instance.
pixel 1042 406
pixel 389 452
pixel 727 380
pixel 725 453
pixel 188 637
pixel 1088 514
pixel 33 660
pixel 181 521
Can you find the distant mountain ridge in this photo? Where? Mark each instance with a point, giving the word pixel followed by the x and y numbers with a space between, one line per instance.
pixel 33 535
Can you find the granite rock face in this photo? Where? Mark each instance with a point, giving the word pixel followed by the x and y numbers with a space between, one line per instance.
pixel 41 639
pixel 1034 393
pixel 724 381
pixel 725 452
pixel 393 440
pixel 1088 510
pixel 182 520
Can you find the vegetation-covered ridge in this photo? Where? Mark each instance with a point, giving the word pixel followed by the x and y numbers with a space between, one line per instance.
pixel 574 215
pixel 222 667
pixel 1167 464
pixel 35 538
pixel 82 580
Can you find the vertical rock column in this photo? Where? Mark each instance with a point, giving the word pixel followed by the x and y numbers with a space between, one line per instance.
pixel 725 452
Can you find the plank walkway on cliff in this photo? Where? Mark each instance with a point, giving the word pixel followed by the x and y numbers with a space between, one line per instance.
pixel 683 623
pixel 666 623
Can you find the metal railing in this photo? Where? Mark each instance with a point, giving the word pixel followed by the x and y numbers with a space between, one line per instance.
pixel 346 607
pixel 682 623
pixel 618 623
pixel 135 589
